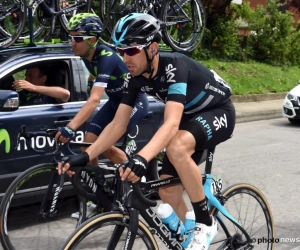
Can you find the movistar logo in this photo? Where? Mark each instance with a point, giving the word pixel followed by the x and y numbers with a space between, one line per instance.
pixel 106 53
pixel 4 136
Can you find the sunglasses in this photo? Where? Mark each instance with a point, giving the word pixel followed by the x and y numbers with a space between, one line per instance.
pixel 79 39
pixel 131 51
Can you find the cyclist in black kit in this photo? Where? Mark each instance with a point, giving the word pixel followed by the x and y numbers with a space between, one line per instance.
pixel 198 115
pixel 109 72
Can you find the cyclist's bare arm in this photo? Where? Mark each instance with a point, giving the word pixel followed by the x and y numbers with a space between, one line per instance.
pixel 88 108
pixel 110 135
pixel 85 112
pixel 163 136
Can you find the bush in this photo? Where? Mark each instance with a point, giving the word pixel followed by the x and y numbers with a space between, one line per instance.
pixel 271 43
pixel 273 39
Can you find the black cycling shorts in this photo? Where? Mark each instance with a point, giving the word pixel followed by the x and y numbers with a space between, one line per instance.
pixel 209 128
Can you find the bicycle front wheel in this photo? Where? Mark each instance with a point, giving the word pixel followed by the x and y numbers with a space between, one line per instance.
pixel 108 231
pixel 189 18
pixel 12 21
pixel 29 218
pixel 249 207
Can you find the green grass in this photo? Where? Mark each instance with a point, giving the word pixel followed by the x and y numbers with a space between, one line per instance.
pixel 254 77
pixel 248 78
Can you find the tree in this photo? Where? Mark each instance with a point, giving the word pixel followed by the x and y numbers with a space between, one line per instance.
pixel 215 9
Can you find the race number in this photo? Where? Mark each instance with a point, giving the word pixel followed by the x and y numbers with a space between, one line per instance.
pixel 216 185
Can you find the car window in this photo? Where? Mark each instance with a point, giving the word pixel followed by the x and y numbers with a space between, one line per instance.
pixel 57 75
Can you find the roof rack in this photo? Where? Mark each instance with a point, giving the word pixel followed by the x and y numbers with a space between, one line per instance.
pixel 35 47
pixel 14 50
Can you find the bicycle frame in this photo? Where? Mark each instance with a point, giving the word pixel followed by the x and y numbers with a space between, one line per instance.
pixel 138 204
pixel 64 149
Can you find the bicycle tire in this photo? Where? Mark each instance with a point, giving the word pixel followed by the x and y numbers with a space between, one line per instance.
pixel 64 18
pixel 22 226
pixel 187 36
pixel 110 13
pixel 37 27
pixel 259 226
pixel 96 233
pixel 13 17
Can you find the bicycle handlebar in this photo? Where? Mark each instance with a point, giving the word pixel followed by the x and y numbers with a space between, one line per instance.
pixel 49 133
pixel 137 194
pixel 76 181
pixel 28 135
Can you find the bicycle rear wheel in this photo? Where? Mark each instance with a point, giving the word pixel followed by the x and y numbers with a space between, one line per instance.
pixel 190 21
pixel 83 6
pixel 38 25
pixel 108 231
pixel 13 15
pixel 24 225
pixel 250 208
pixel 110 11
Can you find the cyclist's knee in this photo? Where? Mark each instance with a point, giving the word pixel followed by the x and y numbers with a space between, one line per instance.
pixel 90 137
pixel 109 152
pixel 181 146
pixel 115 154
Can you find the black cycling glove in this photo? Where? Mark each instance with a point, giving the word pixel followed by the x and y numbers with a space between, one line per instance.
pixel 138 165
pixel 79 160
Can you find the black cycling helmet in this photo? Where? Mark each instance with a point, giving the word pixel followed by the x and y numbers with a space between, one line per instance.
pixel 86 23
pixel 136 28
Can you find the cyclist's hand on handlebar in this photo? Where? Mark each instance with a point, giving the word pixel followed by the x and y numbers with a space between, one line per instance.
pixel 135 168
pixel 65 134
pixel 80 160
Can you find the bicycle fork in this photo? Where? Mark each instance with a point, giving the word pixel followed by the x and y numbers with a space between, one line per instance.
pixel 57 191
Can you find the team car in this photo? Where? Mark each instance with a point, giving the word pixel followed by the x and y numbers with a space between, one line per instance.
pixel 72 75
pixel 291 105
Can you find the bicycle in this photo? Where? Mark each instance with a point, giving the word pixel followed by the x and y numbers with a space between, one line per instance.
pixel 38 204
pixel 43 14
pixel 183 21
pixel 124 230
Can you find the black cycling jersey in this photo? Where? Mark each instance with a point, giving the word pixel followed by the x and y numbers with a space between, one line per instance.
pixel 108 72
pixel 181 79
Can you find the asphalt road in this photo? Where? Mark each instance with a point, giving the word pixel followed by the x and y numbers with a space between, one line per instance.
pixel 266 155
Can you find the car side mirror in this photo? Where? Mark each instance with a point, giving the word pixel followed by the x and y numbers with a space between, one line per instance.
pixel 9 100
pixel 298 81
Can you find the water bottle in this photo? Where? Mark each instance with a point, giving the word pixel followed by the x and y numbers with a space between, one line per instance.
pixel 170 218
pixel 189 225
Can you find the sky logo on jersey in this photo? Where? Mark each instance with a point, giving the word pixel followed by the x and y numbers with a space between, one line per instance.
pixel 205 125
pixel 219 123
pixel 170 74
pixel 4 136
